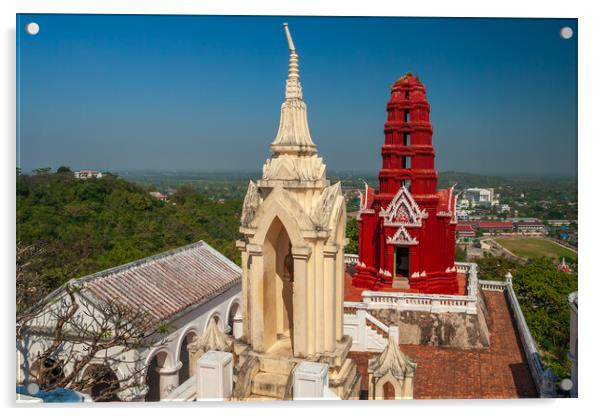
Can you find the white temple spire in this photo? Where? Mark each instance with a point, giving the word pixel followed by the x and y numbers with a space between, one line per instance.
pixel 293 135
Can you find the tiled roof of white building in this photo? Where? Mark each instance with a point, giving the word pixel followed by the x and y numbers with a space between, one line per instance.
pixel 168 284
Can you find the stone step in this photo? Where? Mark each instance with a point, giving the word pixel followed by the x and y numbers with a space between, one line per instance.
pixel 269 384
pixel 259 397
pixel 276 365
pixel 401 283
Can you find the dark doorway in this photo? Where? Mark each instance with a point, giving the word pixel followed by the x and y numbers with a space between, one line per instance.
pixel 402 261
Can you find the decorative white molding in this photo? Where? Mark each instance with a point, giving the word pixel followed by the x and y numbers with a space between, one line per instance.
pixel 402 238
pixel 403 210
pixel 250 204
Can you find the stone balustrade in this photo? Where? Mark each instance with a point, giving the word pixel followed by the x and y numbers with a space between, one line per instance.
pixel 351 259
pixel 545 379
pixel 428 302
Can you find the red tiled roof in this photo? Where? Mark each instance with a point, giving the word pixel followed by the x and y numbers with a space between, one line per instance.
pixel 499 371
pixel 464 228
pixel 443 202
pixel 495 224
pixel 167 284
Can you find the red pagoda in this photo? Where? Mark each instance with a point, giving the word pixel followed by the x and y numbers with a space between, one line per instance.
pixel 407 228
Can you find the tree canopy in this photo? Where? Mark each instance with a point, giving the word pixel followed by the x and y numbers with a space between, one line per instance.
pixel 84 226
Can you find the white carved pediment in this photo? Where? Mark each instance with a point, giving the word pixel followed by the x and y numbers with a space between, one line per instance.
pixel 403 210
pixel 401 237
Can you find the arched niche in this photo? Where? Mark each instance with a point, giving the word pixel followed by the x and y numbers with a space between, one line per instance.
pixel 277 291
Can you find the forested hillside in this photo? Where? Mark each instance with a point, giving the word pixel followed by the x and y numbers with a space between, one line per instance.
pixel 67 228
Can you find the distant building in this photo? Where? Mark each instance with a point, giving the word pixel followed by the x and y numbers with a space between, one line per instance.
pixel 464 230
pixel 530 227
pixel 505 208
pixel 559 223
pixel 462 215
pixel 159 196
pixel 481 196
pixel 495 227
pixel 87 174
pixel 463 203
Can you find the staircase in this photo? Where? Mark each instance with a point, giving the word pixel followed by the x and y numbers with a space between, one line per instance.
pixel 273 379
pixel 374 340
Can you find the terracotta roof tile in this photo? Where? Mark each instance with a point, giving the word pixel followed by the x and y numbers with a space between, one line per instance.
pixel 169 283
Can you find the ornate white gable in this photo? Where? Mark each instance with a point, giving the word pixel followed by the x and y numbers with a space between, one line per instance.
pixel 401 238
pixel 403 210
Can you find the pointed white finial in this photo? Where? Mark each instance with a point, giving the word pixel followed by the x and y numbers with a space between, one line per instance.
pixel 293 135
pixel 291 45
pixel 293 86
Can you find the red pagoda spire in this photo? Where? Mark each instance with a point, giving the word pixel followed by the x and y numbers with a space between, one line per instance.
pixel 407 228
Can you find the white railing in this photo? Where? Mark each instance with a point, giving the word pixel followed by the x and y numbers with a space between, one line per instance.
pixel 358 323
pixel 428 302
pixel 351 258
pixel 544 379
pixel 492 285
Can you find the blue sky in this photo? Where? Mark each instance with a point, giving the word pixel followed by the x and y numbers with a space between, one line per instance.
pixel 203 93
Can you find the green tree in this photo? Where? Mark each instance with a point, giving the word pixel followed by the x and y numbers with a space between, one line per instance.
pixel 352 233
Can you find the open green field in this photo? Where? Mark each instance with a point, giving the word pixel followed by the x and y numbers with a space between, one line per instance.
pixel 532 247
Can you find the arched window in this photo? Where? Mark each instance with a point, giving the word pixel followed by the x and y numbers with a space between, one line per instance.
pixel 184 373
pixel 104 383
pixel 152 377
pixel 388 391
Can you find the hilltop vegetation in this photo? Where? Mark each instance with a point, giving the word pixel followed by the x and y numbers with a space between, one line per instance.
pixel 77 227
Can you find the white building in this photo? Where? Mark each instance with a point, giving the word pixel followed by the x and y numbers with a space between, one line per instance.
pixel 87 174
pixel 183 288
pixel 481 196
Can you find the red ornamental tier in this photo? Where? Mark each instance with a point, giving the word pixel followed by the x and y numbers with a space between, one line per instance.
pixel 407 228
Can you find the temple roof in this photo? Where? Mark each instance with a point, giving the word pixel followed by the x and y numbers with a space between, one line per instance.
pixel 212 340
pixel 392 360
pixel 168 284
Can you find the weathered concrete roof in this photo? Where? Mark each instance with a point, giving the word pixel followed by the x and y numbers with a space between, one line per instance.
pixel 168 284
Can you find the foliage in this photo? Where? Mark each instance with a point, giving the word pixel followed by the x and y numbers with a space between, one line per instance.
pixel 79 335
pixel 352 234
pixel 460 252
pixel 542 292
pixel 84 226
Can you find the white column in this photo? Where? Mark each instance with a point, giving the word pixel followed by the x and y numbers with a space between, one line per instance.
pixel 309 380
pixel 214 376
pixel 318 298
pixel 237 326
pixel 169 379
pixel 300 339
pixel 339 278
pixel 255 297
pixel 330 305
pixel 242 246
